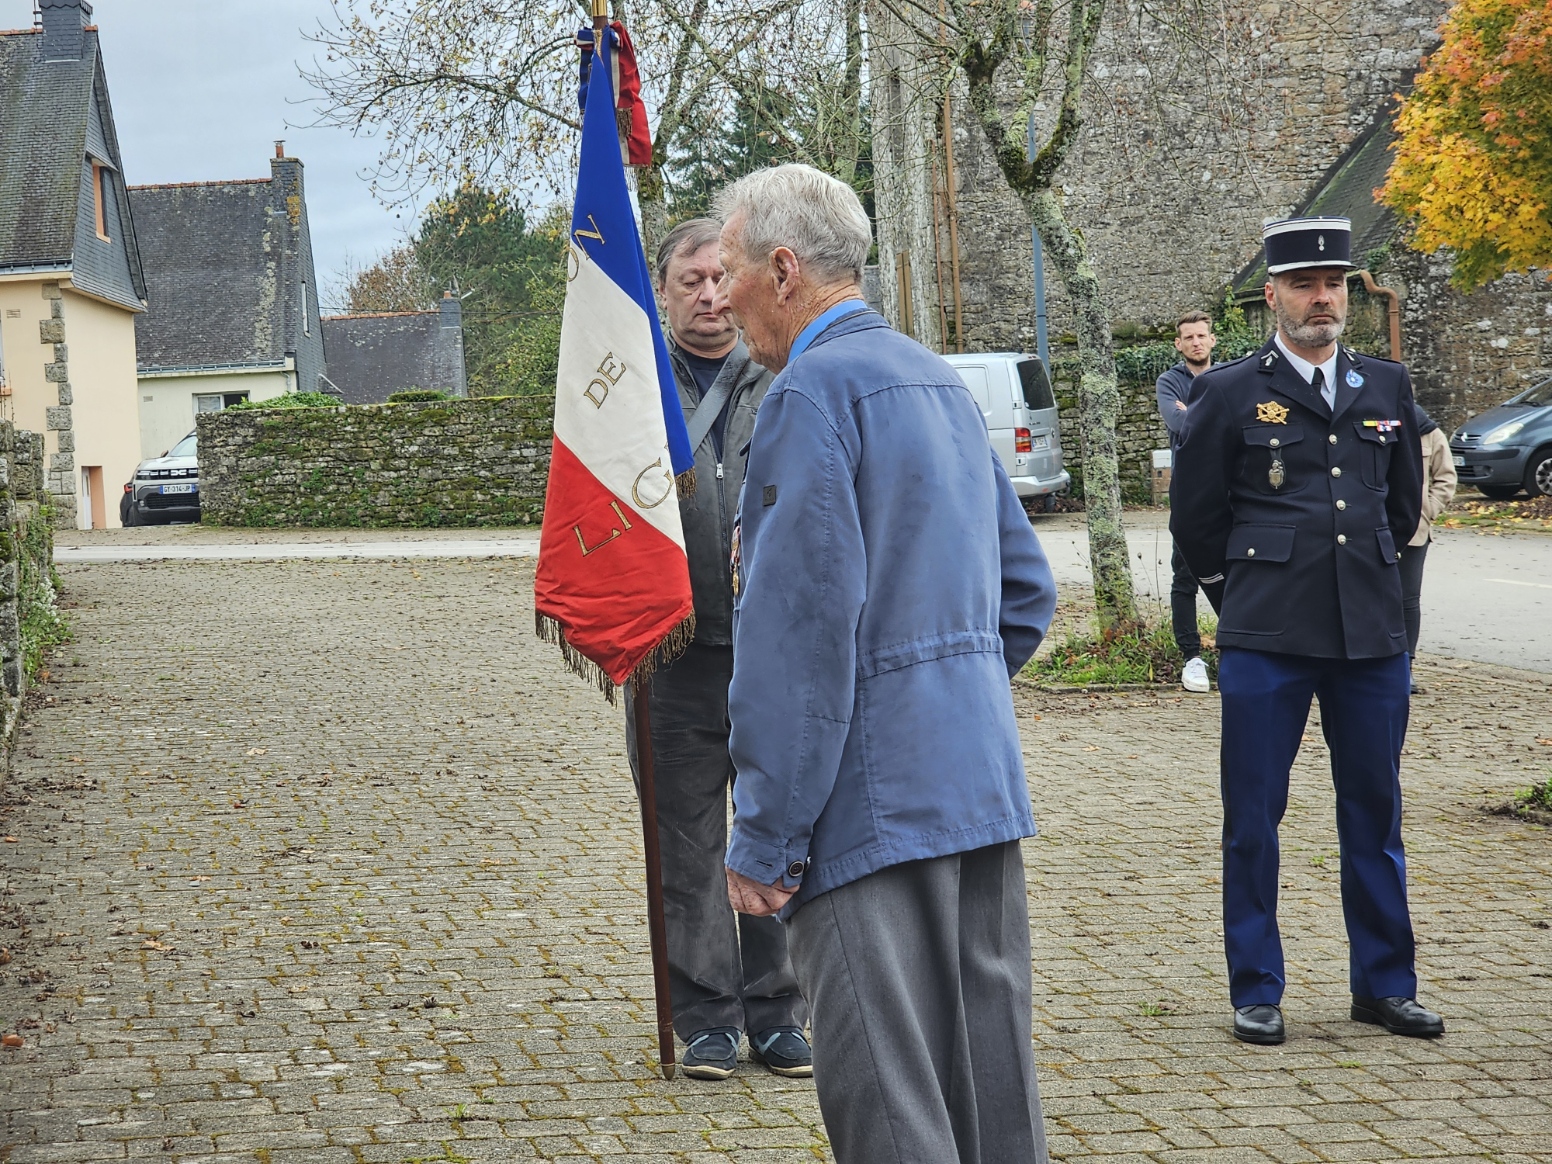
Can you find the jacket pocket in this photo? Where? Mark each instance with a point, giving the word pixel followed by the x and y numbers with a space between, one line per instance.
pixel 1373 454
pixel 1388 554
pixel 1265 469
pixel 1261 543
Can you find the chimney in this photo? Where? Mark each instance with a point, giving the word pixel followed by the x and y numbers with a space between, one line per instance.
pixel 280 149
pixel 452 310
pixel 63 22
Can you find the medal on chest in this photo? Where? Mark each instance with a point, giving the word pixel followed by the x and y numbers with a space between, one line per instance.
pixel 1275 475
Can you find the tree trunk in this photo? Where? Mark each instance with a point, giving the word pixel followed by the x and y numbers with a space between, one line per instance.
pixel 651 197
pixel 1099 407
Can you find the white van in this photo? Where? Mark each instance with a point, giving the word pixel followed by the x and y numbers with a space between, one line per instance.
pixel 1014 392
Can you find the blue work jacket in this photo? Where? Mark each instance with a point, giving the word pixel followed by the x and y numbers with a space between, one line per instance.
pixel 888 587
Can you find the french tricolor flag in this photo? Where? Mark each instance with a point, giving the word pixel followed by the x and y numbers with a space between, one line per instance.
pixel 613 585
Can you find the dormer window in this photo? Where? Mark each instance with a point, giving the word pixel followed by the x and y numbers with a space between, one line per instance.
pixel 100 198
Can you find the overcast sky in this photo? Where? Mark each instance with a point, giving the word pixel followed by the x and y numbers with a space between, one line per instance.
pixel 201 90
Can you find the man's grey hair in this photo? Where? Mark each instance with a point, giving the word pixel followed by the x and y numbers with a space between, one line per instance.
pixel 686 238
pixel 818 218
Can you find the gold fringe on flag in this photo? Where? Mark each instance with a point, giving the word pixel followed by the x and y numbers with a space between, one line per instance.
pixel 686 483
pixel 672 646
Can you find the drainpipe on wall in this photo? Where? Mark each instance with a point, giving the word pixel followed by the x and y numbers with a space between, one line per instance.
pixel 1042 347
pixel 1393 310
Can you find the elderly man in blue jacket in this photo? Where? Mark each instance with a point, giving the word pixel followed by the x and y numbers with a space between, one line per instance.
pixel 888 586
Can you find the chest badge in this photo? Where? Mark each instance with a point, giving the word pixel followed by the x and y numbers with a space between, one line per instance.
pixel 1271 413
pixel 1354 379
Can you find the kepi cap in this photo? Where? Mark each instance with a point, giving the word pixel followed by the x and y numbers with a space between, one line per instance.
pixel 1295 243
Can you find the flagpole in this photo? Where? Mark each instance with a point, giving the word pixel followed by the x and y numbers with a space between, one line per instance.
pixel 641 708
pixel 640 705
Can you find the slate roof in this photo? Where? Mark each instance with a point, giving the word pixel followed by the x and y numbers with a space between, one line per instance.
pixel 1346 191
pixel 373 355
pixel 229 275
pixel 46 113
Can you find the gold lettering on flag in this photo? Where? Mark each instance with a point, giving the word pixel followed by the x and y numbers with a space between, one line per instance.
pixel 668 486
pixel 609 373
pixel 613 533
pixel 594 233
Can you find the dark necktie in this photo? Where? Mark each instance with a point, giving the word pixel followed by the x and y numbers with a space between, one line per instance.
pixel 1328 394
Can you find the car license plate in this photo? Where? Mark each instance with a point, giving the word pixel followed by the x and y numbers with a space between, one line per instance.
pixel 180 489
pixel 1460 462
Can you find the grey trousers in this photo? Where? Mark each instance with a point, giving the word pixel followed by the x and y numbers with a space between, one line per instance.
pixel 919 978
pixel 722 972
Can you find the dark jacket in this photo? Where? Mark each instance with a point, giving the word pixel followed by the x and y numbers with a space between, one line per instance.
pixel 889 586
pixel 1174 384
pixel 708 515
pixel 1294 518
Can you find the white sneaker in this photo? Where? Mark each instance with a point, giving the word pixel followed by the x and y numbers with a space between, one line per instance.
pixel 1193 676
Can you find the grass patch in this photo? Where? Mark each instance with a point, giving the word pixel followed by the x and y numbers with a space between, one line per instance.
pixel 1141 656
pixel 1537 797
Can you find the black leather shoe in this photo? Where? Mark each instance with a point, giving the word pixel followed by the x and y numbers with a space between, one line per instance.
pixel 1262 1023
pixel 1399 1016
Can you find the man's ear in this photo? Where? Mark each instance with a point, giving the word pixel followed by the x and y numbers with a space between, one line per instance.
pixel 1271 294
pixel 785 271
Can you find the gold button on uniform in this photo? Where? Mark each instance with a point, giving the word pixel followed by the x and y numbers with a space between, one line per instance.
pixel 1341 539
pixel 1332 438
pixel 1341 505
pixel 1336 470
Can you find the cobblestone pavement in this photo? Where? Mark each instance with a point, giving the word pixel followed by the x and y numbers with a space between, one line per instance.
pixel 332 861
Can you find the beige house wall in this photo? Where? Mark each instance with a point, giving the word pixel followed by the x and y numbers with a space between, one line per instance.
pixel 22 309
pixel 105 418
pixel 86 406
pixel 167 408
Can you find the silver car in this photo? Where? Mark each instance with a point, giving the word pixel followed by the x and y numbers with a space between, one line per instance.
pixel 165 488
pixel 1014 392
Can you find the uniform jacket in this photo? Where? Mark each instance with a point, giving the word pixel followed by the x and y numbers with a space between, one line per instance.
pixel 708 514
pixel 1439 482
pixel 1293 517
pixel 889 587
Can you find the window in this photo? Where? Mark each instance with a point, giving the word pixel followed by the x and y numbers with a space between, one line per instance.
pixel 1036 384
pixel 100 198
pixel 307 327
pixel 216 401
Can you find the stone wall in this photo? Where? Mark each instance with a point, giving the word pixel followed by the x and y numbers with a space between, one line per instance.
pixel 1138 431
pixel 481 462
pixel 1194 132
pixel 29 619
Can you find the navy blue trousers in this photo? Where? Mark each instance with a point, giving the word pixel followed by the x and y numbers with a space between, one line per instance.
pixel 1363 711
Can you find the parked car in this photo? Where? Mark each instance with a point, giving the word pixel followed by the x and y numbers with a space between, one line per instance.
pixel 1508 448
pixel 1014 392
pixel 165 488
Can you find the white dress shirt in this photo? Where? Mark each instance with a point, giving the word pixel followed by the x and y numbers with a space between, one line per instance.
pixel 1306 369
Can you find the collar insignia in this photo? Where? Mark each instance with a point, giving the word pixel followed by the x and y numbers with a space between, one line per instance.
pixel 1268 361
pixel 1271 413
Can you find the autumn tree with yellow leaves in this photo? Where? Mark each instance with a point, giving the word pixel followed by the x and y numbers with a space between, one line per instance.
pixel 1473 159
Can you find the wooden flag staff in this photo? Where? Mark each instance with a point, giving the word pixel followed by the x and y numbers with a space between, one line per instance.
pixel 640 699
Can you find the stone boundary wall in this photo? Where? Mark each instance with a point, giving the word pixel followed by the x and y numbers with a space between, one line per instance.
pixel 29 618
pixel 1138 431
pixel 481 462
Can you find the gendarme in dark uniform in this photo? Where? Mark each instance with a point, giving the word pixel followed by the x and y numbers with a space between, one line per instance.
pixel 1297 484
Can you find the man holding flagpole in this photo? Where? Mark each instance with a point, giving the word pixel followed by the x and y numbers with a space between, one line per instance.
pixel 888 586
